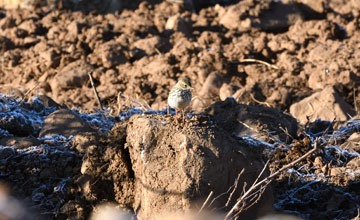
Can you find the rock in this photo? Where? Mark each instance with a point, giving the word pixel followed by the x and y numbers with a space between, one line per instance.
pixel 354 164
pixel 48 102
pixel 337 171
pixel 280 17
pixel 21 33
pixel 150 45
pixel 227 90
pixel 5 44
pixel 64 122
pixel 20 142
pixel 178 24
pixel 325 168
pixel 7 22
pixel 231 19
pixel 317 6
pixel 29 26
pixel 326 104
pixel 109 54
pixel 209 90
pixel 352 143
pixel 84 142
pixel 30 41
pixel 257 121
pixel 73 75
pixel 69 207
pixel 6 153
pixel 73 31
pixel 318 162
pixel 51 57
pixel 175 170
pixel 354 137
pixel 290 63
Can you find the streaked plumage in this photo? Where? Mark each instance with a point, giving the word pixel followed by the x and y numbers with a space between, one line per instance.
pixel 180 96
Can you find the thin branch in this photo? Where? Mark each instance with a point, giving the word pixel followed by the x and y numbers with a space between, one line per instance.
pixel 244 187
pixel 259 102
pixel 253 187
pixel 206 201
pixel 358 215
pixel 286 132
pixel 144 106
pixel 257 193
pixel 271 137
pixel 30 90
pixel 255 198
pixel 235 186
pixel 260 191
pixel 262 171
pixel 259 61
pixel 222 194
pixel 95 91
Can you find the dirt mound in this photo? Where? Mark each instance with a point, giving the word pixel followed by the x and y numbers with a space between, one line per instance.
pixel 154 166
pixel 189 161
pixel 264 123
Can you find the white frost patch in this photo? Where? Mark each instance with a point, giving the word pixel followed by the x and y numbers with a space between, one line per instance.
pixel 30 113
pixel 341 152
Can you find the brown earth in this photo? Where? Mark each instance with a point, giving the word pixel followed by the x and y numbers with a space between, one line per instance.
pixel 298 57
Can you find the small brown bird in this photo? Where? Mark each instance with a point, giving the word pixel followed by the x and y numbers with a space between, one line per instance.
pixel 180 96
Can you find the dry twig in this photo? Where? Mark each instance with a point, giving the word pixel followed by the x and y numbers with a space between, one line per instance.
pixel 271 137
pixel 259 102
pixel 143 105
pixel 206 201
pixel 259 61
pixel 266 181
pixel 95 91
pixel 233 187
pixel 30 90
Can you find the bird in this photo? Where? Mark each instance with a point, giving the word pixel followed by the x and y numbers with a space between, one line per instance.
pixel 180 96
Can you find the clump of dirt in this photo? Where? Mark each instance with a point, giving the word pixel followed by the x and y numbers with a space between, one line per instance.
pixel 167 166
pixel 182 163
pixel 265 123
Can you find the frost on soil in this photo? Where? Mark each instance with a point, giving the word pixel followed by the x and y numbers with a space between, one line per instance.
pixel 321 187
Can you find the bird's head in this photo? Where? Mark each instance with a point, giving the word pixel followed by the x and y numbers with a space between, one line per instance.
pixel 184 83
